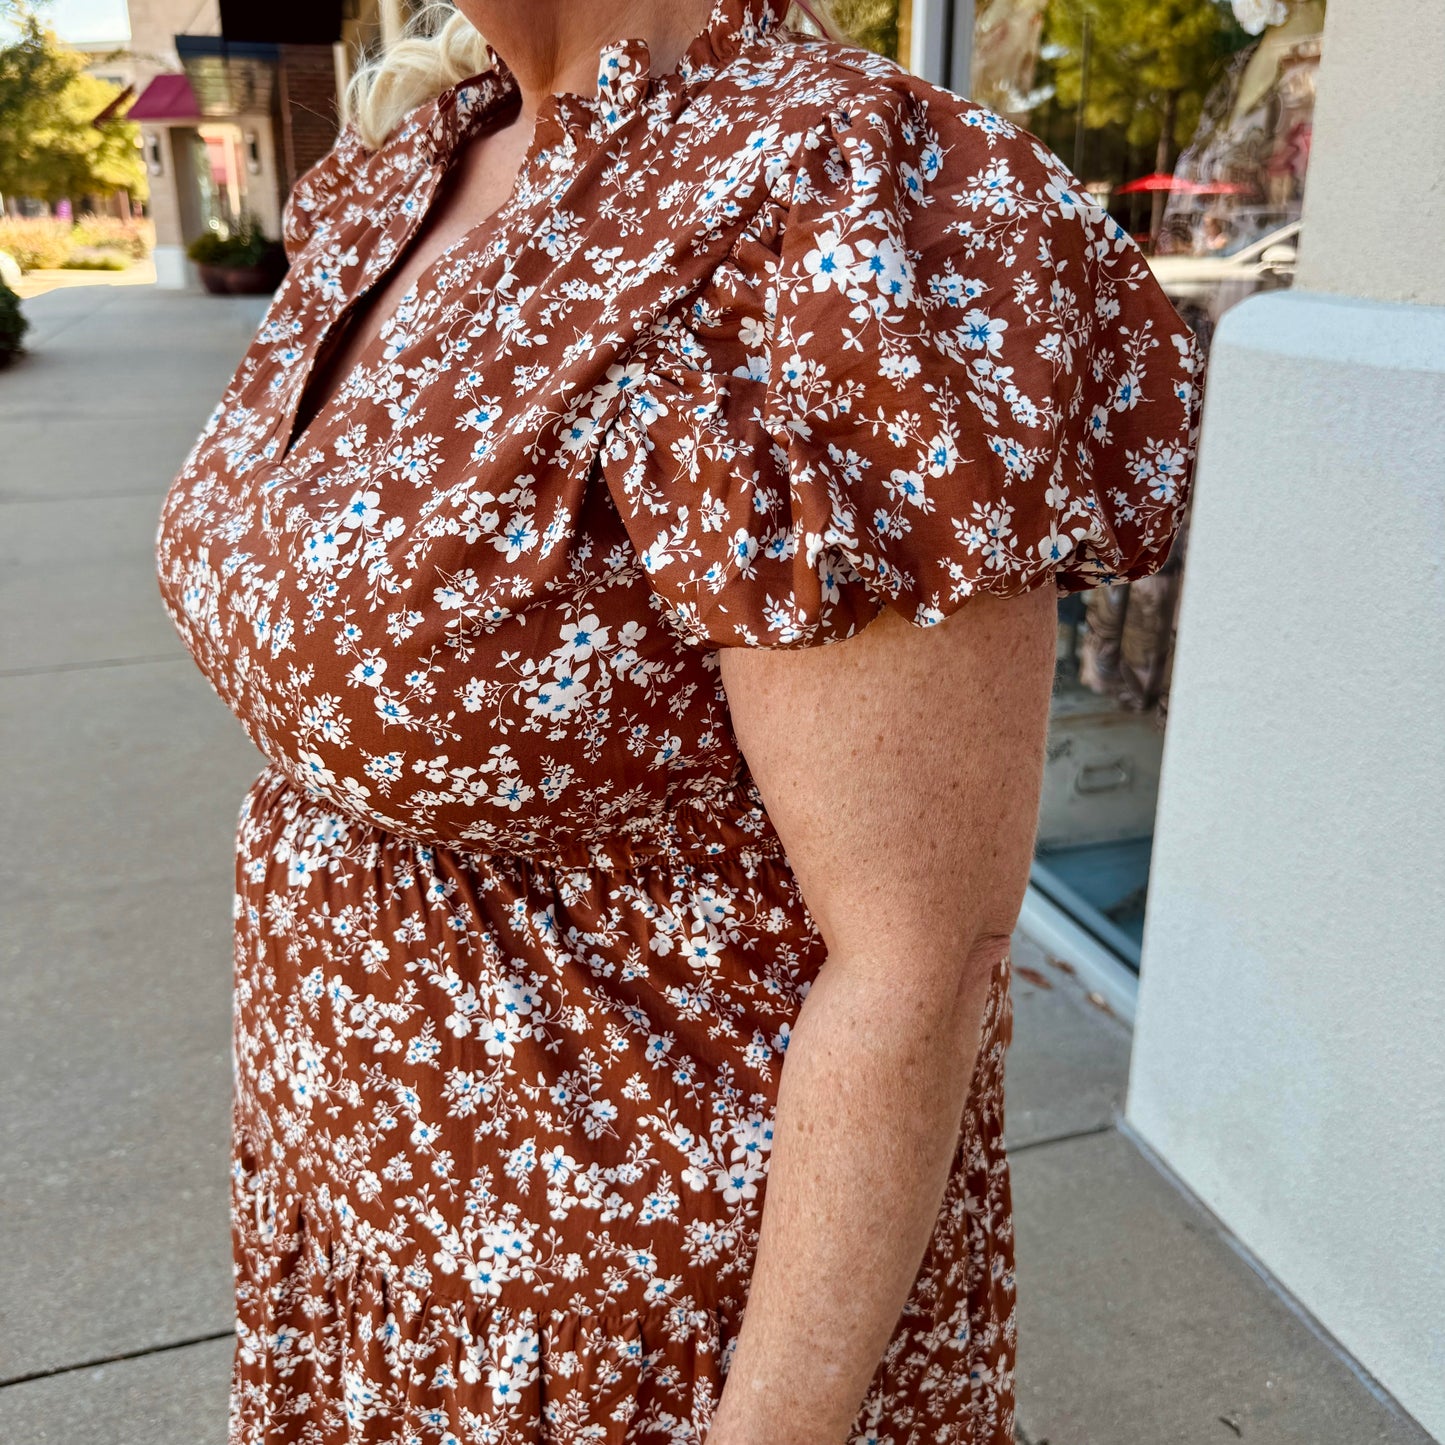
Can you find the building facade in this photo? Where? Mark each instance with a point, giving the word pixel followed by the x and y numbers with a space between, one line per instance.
pixel 234 102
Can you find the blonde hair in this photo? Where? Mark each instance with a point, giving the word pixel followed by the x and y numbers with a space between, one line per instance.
pixel 440 46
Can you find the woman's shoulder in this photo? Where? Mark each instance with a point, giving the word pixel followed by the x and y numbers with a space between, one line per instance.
pixel 826 87
pixel 945 204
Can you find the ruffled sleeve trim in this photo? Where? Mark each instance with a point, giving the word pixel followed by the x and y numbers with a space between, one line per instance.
pixel 981 383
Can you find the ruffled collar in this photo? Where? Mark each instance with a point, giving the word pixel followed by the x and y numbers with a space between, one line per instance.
pixel 624 80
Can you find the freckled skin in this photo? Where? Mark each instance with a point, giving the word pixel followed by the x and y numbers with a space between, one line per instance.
pixel 941 744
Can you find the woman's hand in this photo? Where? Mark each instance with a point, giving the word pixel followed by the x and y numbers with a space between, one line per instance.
pixel 902 770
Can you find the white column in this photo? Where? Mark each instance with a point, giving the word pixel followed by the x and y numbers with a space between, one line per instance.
pixel 341 62
pixel 1289 1050
pixel 1374 213
pixel 392 14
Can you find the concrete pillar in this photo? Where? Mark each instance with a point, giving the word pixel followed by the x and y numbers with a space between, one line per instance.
pixel 393 17
pixel 1374 206
pixel 1288 1062
pixel 173 205
pixel 264 193
pixel 342 71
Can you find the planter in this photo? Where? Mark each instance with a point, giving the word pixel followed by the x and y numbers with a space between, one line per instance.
pixel 241 263
pixel 258 280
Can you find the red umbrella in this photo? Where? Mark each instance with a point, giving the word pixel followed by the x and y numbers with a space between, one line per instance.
pixel 1157 182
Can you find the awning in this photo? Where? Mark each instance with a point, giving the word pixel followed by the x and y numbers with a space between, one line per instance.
pixel 167 97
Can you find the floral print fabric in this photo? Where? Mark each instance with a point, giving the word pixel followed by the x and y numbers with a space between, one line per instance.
pixel 754 349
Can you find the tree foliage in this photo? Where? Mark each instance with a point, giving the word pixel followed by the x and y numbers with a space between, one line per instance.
pixel 1149 61
pixel 870 23
pixel 52 151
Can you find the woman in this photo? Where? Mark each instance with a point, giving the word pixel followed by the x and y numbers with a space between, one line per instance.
pixel 633 539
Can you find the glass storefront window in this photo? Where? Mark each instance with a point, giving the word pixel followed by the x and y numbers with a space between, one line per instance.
pixel 1190 121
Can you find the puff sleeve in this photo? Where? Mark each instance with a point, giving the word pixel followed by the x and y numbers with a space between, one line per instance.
pixel 965 379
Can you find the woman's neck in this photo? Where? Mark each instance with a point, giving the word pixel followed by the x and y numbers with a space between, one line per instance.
pixel 552 45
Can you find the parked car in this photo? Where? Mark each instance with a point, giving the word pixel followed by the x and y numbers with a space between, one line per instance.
pixel 1203 288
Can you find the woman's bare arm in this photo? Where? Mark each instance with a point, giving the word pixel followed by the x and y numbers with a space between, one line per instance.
pixel 902 769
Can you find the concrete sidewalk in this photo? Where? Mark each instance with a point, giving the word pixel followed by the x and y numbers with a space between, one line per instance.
pixel 1139 1323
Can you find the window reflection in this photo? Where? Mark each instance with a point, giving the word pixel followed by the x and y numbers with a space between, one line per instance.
pixel 1190 120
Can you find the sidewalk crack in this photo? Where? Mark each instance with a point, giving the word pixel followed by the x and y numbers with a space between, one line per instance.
pixel 114 1359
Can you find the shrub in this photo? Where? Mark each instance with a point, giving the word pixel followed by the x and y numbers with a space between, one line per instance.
pixel 13 325
pixel 97 261
pixel 135 238
pixel 39 243
pixel 36 243
pixel 248 245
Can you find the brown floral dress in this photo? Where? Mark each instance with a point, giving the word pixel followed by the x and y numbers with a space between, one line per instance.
pixel 754 349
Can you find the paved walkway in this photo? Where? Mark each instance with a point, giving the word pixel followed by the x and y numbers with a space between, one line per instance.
pixel 1139 1324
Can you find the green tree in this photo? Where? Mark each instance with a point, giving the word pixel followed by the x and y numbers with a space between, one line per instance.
pixel 1150 63
pixel 48 104
pixel 871 23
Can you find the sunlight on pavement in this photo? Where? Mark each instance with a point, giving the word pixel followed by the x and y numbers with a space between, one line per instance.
pixel 37 283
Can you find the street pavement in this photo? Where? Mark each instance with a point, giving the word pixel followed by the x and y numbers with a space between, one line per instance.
pixel 1140 1323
